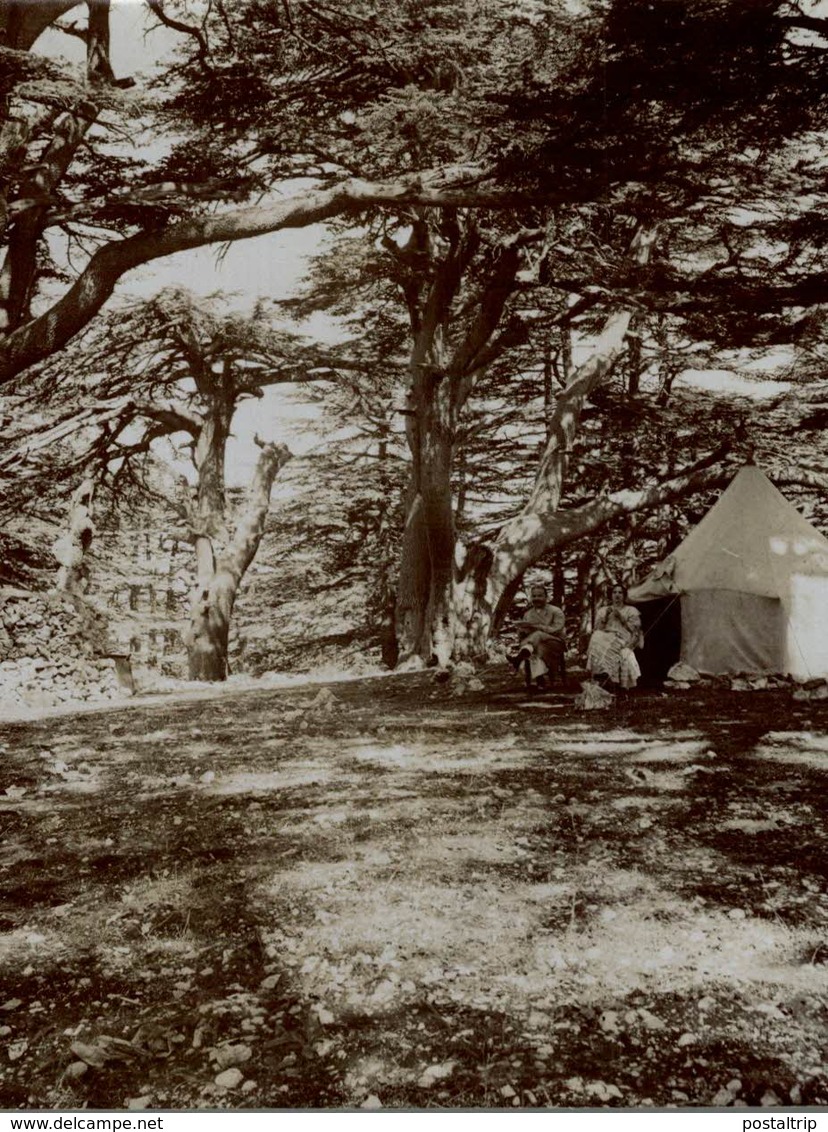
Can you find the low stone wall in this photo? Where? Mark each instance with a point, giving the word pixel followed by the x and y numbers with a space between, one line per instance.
pixel 54 649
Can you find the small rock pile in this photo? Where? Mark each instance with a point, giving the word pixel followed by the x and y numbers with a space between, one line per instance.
pixel 757 683
pixel 816 689
pixel 53 650
pixel 682 676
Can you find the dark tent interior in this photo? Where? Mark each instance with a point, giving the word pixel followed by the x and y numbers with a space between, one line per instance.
pixel 661 622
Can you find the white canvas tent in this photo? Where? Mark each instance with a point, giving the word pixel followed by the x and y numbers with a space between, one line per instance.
pixel 752 579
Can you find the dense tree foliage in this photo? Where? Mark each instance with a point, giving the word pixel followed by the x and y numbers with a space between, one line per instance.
pixel 540 202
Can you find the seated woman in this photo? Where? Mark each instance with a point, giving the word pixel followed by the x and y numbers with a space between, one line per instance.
pixel 617 632
pixel 541 633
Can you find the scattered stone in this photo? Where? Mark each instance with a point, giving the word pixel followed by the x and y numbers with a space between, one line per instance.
pixel 608 1021
pixel 686 1039
pixel 812 690
pixel 435 1073
pixel 372 1103
pixel 602 1091
pixel 737 914
pixel 684 673
pixel 229 1079
pixel 11 1004
pixel 17 1049
pixel 651 1021
pixel 76 1070
pixel 208 777
pixel 249 1086
pixel 270 982
pixel 136 1104
pixel 384 991
pixel 92 1055
pixel 508 1092
pixel 770 1099
pixel 225 1056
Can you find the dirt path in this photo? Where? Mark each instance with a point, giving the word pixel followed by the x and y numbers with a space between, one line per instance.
pixel 398 897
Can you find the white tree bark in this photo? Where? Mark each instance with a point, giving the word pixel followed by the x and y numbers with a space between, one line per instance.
pixel 219 575
pixel 70 549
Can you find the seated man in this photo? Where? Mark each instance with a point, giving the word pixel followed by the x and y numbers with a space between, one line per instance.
pixel 541 631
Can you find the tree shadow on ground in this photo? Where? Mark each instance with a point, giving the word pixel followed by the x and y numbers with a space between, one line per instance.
pixel 544 901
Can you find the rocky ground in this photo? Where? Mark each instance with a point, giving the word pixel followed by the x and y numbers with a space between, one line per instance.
pixel 383 893
pixel 54 650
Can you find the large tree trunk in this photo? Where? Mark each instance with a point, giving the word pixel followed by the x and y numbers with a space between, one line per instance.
pixel 36 189
pixel 207 634
pixel 219 576
pixel 424 593
pixel 70 549
pixel 19 268
pixel 428 538
pixel 442 377
pixel 384 601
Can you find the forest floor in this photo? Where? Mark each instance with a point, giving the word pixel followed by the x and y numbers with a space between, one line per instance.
pixel 383 894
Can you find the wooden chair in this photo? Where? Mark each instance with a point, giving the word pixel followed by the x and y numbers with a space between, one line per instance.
pixel 554 675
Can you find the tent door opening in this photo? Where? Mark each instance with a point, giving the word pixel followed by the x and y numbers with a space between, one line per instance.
pixel 661 622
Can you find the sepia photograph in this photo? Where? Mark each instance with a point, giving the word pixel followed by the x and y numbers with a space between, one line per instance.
pixel 413 558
